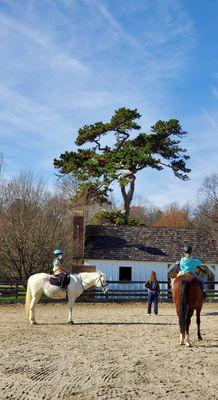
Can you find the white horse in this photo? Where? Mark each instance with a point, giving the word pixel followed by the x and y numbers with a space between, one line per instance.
pixel 39 284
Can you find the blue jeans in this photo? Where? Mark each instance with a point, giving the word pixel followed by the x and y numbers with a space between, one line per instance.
pixel 152 297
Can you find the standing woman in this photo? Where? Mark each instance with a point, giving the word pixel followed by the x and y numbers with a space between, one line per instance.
pixel 153 293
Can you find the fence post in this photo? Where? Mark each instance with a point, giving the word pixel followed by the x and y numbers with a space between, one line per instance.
pixel 16 292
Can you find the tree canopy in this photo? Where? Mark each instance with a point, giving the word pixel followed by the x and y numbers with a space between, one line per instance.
pixel 128 151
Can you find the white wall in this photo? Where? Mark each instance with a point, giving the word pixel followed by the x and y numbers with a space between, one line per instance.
pixel 215 272
pixel 140 271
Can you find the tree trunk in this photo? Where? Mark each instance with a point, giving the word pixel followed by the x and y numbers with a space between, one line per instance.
pixel 128 196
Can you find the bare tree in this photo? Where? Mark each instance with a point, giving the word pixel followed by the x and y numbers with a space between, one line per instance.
pixel 3 196
pixel 1 166
pixel 209 189
pixel 206 212
pixel 67 186
pixel 144 210
pixel 32 224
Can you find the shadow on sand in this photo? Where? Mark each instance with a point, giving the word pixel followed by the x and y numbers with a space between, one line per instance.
pixel 109 323
pixel 212 313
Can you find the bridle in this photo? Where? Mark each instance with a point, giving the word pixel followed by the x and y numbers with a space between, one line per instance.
pixel 100 280
pixel 103 286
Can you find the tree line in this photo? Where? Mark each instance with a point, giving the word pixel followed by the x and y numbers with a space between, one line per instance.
pixel 33 221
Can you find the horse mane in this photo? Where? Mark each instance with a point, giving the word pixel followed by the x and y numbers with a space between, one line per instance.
pixel 88 272
pixel 78 275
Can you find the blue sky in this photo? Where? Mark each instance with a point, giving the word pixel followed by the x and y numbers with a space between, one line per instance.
pixel 68 63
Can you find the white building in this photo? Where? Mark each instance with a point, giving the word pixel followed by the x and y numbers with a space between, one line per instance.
pixel 130 253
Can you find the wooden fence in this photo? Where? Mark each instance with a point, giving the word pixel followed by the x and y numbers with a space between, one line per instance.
pixel 124 291
pixel 8 289
pixel 119 291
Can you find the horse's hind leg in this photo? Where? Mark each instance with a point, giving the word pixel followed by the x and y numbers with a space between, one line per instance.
pixel 188 321
pixel 182 330
pixel 198 320
pixel 182 339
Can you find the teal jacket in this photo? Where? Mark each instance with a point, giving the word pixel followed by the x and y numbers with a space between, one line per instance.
pixel 189 264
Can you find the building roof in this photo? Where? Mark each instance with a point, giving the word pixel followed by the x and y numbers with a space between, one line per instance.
pixel 140 243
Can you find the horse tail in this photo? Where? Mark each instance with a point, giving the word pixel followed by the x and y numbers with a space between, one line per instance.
pixel 28 300
pixel 184 286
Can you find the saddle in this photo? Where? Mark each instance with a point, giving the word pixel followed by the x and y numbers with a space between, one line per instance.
pixel 182 278
pixel 62 280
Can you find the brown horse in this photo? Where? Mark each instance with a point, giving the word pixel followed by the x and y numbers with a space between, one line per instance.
pixel 187 296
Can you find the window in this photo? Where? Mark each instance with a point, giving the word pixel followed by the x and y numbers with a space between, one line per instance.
pixel 125 274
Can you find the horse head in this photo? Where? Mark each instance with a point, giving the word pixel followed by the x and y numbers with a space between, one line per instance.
pixel 101 282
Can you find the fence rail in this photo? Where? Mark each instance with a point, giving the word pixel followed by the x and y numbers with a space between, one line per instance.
pixel 9 290
pixel 124 291
pixel 118 291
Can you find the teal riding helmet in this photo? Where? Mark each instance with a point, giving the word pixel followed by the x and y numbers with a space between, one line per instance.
pixel 57 252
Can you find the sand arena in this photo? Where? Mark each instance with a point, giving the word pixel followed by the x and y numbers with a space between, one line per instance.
pixel 114 351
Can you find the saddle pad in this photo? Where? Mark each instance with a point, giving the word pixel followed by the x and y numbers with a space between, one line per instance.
pixel 55 280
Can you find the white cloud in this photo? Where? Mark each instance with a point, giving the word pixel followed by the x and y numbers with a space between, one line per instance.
pixel 70 63
pixel 163 47
pixel 211 120
pixel 215 91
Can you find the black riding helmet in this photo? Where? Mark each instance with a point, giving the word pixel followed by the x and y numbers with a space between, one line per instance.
pixel 188 249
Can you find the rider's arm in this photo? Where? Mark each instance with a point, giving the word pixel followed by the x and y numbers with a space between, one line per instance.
pixel 61 268
pixel 198 263
pixel 56 265
pixel 181 265
pixel 65 270
pixel 177 266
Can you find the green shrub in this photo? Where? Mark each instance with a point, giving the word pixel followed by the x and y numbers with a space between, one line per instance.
pixel 105 217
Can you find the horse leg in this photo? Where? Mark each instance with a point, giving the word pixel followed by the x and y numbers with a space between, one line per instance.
pixel 182 339
pixel 71 301
pixel 198 320
pixel 181 325
pixel 33 303
pixel 188 322
pixel 182 334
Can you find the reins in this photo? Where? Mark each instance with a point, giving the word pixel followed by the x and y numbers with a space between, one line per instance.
pixel 82 281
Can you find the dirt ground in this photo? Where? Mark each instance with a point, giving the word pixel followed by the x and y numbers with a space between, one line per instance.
pixel 114 351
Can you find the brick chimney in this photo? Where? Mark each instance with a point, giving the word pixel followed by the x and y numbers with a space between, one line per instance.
pixel 78 237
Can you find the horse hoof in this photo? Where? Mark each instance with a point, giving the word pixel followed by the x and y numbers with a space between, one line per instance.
pixel 33 323
pixel 188 344
pixel 70 323
pixel 181 343
pixel 200 338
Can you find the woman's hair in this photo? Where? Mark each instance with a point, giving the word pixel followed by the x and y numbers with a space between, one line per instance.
pixel 153 276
